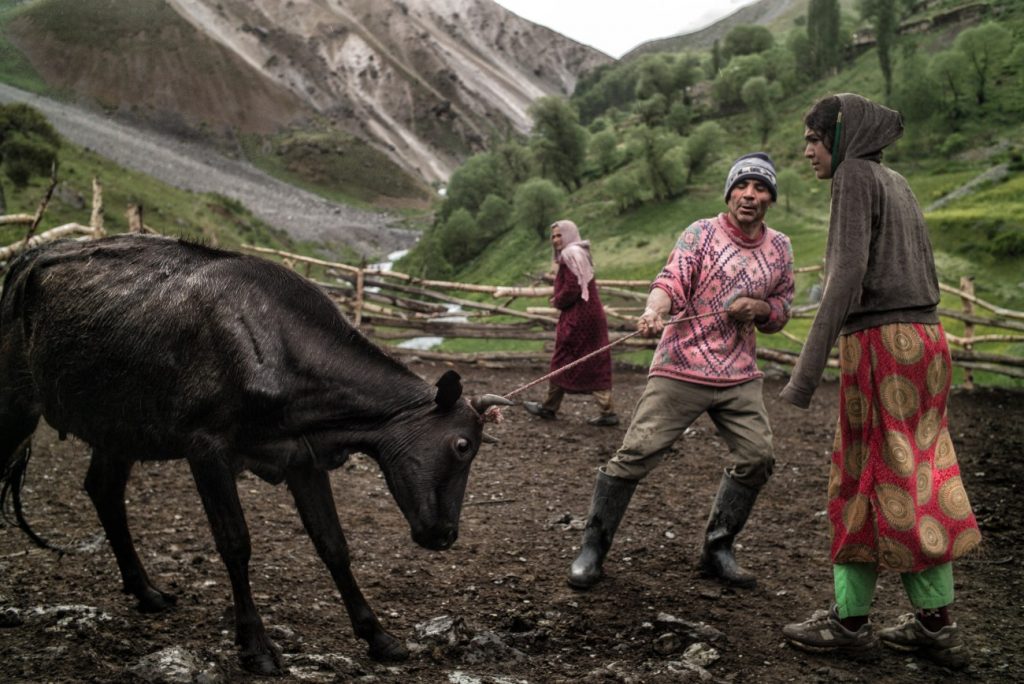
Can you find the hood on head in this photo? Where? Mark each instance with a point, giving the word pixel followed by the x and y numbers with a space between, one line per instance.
pixel 866 129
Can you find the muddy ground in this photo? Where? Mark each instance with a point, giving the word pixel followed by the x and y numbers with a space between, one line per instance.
pixel 503 583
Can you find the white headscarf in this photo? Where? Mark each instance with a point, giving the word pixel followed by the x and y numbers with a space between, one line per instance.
pixel 575 254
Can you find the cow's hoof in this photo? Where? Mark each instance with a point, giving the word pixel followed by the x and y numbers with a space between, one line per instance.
pixel 387 649
pixel 262 664
pixel 153 601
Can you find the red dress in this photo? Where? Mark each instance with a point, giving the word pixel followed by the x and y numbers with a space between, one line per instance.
pixel 582 328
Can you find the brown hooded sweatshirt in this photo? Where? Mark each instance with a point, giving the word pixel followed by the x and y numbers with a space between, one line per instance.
pixel 879 266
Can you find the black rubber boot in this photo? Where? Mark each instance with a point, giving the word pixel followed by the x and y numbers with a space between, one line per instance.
pixel 535 409
pixel 728 515
pixel 611 498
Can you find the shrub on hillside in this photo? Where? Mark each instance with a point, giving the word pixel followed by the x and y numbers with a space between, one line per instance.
pixel 625 189
pixel 538 203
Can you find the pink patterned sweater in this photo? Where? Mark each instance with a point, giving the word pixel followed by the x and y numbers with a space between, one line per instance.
pixel 712 264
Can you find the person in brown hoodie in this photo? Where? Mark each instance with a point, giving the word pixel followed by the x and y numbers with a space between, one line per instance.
pixel 895 497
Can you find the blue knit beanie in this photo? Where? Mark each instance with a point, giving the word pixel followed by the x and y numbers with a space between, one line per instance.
pixel 756 165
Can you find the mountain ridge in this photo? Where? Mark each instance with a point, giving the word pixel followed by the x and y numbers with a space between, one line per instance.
pixel 428 82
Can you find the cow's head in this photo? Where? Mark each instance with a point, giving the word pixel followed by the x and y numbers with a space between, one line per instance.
pixel 425 458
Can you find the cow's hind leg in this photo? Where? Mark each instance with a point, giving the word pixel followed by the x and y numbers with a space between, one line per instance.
pixel 105 482
pixel 216 483
pixel 312 492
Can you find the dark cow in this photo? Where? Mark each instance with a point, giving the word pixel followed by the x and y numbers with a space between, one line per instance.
pixel 149 348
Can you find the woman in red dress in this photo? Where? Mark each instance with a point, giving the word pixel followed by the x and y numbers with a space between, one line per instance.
pixel 582 329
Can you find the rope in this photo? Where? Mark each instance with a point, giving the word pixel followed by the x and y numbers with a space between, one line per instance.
pixel 674 321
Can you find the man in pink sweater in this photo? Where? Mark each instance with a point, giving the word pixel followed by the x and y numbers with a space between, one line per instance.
pixel 734 274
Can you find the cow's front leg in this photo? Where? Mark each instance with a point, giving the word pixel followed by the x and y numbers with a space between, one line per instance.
pixel 311 489
pixel 216 483
pixel 105 482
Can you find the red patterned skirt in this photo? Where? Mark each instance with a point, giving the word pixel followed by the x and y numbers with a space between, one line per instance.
pixel 895 494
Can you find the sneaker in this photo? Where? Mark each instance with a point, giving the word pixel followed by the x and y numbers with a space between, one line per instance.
pixel 604 420
pixel 945 647
pixel 823 633
pixel 536 409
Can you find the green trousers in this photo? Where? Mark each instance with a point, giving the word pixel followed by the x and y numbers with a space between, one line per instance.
pixel 855 587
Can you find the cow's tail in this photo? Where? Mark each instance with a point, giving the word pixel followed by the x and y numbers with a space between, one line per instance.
pixel 11 480
pixel 14 463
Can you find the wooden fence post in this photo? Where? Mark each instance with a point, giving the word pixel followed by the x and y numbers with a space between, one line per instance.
pixel 967 286
pixel 358 304
pixel 134 214
pixel 96 220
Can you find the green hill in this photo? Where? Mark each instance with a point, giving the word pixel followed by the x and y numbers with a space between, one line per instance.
pixel 979 234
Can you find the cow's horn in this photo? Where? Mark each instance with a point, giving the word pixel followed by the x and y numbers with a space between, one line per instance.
pixel 486 401
pixel 487 439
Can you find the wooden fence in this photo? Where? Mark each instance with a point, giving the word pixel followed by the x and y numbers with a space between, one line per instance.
pixel 393 307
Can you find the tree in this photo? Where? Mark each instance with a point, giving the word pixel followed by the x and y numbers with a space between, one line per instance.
pixel 686 73
pixel 494 217
pixel 747 39
pixel 460 239
pixel 727 87
pixel 604 150
pixel 537 204
pixel 1016 62
pixel 799 46
pixel 759 96
pixel 625 188
pixel 717 60
pixel 949 71
pixel 674 169
pixel 656 77
pixel 481 175
pixel 986 47
pixel 607 87
pixel 28 145
pixel 663 180
pixel 916 93
pixel 702 147
pixel 882 16
pixel 558 141
pixel 516 161
pixel 652 111
pixel 791 184
pixel 679 118
pixel 823 34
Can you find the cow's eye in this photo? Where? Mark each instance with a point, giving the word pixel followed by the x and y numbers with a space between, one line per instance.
pixel 462 446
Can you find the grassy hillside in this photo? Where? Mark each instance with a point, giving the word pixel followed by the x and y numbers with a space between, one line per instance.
pixel 980 234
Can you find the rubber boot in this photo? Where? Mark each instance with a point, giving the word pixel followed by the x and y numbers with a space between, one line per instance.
pixel 609 503
pixel 728 515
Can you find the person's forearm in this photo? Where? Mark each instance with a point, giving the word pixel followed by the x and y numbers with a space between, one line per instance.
pixel 652 320
pixel 659 302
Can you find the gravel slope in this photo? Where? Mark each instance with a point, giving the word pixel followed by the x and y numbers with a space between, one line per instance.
pixel 302 214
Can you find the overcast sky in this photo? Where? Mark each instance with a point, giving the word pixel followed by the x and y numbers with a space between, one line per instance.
pixel 617 26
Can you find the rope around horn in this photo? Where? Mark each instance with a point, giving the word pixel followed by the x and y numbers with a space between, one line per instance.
pixel 674 321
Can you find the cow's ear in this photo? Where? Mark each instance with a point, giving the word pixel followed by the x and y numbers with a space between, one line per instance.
pixel 449 389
